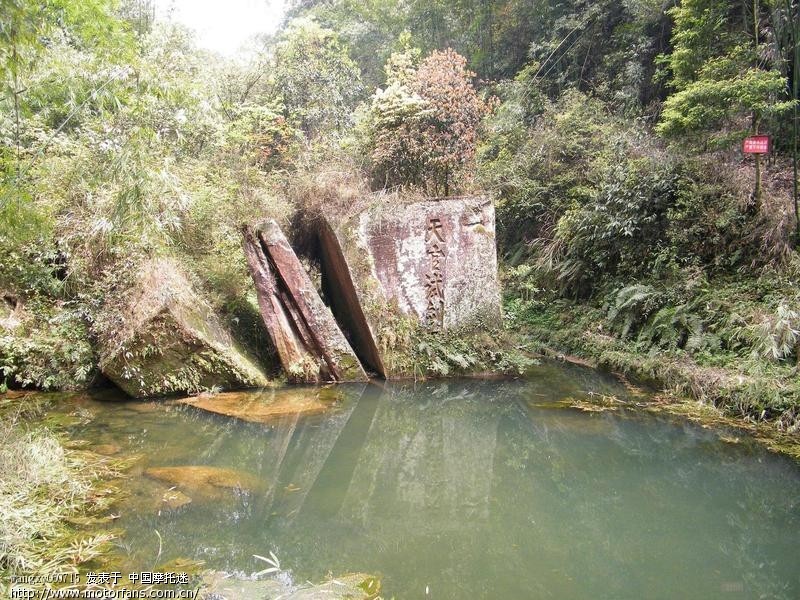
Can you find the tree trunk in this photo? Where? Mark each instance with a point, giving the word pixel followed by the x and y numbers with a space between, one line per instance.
pixel 795 20
pixel 756 205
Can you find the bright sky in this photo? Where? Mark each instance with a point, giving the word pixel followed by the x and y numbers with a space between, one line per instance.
pixel 224 25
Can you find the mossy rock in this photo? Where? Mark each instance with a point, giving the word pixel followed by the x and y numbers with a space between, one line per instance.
pixel 170 341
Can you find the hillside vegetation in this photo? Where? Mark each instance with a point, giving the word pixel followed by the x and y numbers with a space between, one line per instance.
pixel 632 230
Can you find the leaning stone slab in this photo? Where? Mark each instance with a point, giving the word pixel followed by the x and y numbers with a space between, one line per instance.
pixel 169 340
pixel 310 345
pixel 433 263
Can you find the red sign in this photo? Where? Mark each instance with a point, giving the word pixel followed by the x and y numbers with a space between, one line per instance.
pixel 756 144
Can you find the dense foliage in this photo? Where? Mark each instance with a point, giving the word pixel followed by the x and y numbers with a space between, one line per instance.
pixel 315 77
pixel 630 225
pixel 423 127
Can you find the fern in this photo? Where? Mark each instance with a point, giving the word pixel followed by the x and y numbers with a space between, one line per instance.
pixel 777 336
pixel 631 306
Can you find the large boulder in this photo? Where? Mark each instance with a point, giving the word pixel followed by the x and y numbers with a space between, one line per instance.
pixel 430 265
pixel 309 342
pixel 164 338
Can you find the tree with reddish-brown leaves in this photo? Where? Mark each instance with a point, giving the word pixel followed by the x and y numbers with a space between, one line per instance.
pixel 425 125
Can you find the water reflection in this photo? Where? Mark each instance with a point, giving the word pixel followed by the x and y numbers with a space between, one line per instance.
pixel 475 489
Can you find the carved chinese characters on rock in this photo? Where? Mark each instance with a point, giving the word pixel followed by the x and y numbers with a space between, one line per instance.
pixel 434 283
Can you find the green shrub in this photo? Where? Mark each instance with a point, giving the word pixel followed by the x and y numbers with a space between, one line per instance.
pixel 50 350
pixel 594 201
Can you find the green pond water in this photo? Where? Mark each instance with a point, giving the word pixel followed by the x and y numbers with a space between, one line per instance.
pixel 469 489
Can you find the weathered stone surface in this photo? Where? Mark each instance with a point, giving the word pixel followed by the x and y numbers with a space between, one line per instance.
pixel 265 406
pixel 433 262
pixel 308 340
pixel 170 340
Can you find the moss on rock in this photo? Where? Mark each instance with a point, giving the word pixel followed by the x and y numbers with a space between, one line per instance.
pixel 170 341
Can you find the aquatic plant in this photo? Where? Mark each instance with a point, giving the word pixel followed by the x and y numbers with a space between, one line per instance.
pixel 272 561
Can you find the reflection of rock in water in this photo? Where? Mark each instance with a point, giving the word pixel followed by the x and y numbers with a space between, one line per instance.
pixel 423 460
pixel 468 489
pixel 261 407
pixel 302 461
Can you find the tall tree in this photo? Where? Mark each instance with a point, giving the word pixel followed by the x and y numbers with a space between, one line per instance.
pixel 318 81
pixel 426 124
pixel 724 84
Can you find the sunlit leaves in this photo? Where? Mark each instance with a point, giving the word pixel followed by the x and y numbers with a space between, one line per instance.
pixel 718 75
pixel 710 103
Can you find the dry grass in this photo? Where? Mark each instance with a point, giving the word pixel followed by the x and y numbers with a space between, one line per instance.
pixel 41 486
pixel 340 189
pixel 336 190
pixel 775 222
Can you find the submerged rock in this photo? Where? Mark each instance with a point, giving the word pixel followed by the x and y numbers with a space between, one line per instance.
pixel 265 406
pixel 106 449
pixel 155 496
pixel 353 586
pixel 308 340
pixel 432 263
pixel 205 480
pixel 144 407
pixel 174 499
pixel 169 340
